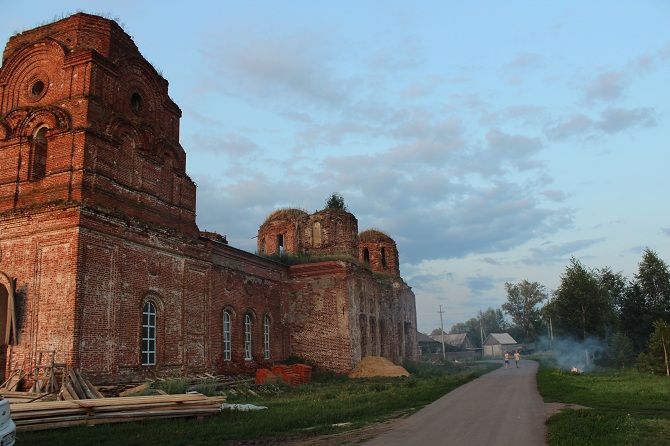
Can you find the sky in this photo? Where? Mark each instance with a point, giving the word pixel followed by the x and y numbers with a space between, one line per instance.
pixel 492 140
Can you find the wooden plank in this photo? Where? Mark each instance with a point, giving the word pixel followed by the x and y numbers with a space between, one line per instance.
pixel 93 389
pixel 140 400
pixel 93 421
pixel 75 384
pixel 136 389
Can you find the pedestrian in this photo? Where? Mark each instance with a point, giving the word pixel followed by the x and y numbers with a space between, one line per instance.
pixel 506 359
pixel 517 358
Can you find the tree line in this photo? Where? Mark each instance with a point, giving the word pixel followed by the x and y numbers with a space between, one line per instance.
pixel 631 316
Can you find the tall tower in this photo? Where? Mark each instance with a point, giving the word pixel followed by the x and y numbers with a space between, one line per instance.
pixel 89 154
pixel 84 118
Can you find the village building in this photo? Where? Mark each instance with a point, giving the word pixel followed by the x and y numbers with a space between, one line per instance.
pixel 496 344
pixel 101 259
pixel 456 342
pixel 428 346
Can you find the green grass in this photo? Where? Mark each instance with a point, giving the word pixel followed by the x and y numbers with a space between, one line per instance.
pixel 625 407
pixel 305 410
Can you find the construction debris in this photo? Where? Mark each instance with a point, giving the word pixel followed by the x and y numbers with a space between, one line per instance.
pixel 12 382
pixel 137 389
pixel 371 366
pixel 290 374
pixel 50 415
pixel 77 387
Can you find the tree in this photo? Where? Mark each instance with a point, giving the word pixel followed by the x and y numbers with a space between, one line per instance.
pixel 522 303
pixel 659 343
pixel 645 299
pixel 635 319
pixel 581 306
pixel 619 350
pixel 437 332
pixel 489 321
pixel 654 280
pixel 336 201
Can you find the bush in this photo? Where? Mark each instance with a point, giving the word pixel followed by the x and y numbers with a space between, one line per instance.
pixel 173 385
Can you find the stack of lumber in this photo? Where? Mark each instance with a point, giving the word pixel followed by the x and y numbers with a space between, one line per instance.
pixel 50 415
pixel 12 383
pixel 77 387
pixel 21 397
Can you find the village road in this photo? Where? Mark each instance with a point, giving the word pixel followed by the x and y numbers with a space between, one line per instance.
pixel 500 408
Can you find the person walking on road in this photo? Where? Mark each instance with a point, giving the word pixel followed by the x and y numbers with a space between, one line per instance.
pixel 506 360
pixel 517 358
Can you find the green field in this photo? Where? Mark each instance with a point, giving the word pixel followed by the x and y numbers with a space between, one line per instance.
pixel 303 411
pixel 625 407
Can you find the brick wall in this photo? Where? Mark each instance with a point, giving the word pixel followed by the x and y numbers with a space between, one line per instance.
pixel 97 220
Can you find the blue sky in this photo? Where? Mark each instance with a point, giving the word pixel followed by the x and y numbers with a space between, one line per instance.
pixel 492 140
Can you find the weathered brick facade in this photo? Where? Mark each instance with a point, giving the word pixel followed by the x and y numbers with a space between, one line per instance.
pixel 102 262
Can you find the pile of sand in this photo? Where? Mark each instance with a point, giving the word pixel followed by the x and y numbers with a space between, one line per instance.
pixel 377 366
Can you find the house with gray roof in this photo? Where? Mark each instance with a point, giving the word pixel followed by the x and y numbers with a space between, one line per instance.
pixel 496 344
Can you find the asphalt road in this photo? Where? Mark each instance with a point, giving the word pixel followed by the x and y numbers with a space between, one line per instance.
pixel 500 408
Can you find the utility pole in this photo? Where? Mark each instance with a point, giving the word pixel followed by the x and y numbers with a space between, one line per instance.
pixel 551 334
pixel 481 332
pixel 444 356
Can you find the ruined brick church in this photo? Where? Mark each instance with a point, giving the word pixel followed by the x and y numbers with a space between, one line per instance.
pixel 101 260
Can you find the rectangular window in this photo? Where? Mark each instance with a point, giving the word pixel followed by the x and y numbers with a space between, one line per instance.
pixel 149 334
pixel 266 337
pixel 227 345
pixel 247 337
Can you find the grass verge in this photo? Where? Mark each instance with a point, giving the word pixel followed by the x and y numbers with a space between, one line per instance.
pixel 625 407
pixel 306 410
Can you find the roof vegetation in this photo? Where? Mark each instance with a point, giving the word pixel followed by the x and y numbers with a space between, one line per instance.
pixel 288 213
pixel 371 235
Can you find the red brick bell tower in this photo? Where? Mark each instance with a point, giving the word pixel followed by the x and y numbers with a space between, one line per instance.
pixel 89 141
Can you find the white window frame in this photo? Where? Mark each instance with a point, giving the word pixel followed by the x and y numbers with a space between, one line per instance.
pixel 247 337
pixel 149 341
pixel 227 340
pixel 266 337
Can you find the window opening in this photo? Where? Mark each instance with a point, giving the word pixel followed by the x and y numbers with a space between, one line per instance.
pixel 366 255
pixel 316 234
pixel 149 334
pixel 280 244
pixel 136 102
pixel 227 344
pixel 247 337
pixel 37 88
pixel 266 337
pixel 39 161
pixel 383 256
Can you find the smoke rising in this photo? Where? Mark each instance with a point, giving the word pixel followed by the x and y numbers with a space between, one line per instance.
pixel 570 353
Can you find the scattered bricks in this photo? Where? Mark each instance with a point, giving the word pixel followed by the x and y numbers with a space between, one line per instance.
pixel 303 373
pixel 265 376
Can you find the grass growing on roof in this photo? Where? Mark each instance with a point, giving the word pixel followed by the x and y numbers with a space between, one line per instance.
pixel 301 411
pixel 286 213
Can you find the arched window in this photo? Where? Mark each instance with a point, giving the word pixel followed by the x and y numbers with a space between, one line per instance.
pixel 38 168
pixel 383 257
pixel 149 334
pixel 366 255
pixel 266 337
pixel 227 344
pixel 247 336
